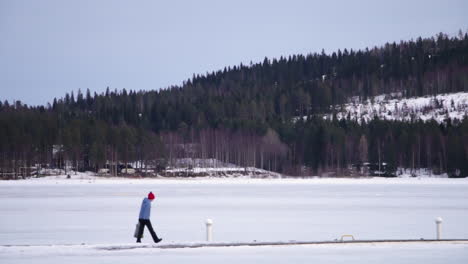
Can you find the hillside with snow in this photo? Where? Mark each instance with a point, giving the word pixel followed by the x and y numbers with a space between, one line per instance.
pixel 440 107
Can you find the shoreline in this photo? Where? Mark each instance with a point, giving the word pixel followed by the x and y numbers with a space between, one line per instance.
pixel 61 179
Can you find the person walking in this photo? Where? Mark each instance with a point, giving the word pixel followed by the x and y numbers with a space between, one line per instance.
pixel 144 219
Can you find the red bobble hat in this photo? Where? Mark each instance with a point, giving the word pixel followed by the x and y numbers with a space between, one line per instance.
pixel 150 196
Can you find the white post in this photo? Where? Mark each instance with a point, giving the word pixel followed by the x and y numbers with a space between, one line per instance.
pixel 209 230
pixel 438 221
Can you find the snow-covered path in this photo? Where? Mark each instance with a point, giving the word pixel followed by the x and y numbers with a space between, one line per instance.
pixel 446 252
pixel 104 212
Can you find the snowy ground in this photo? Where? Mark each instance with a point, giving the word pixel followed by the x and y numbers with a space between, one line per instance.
pixel 67 213
pixel 224 172
pixel 382 253
pixel 439 108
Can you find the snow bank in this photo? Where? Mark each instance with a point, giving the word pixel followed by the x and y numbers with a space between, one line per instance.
pixel 337 253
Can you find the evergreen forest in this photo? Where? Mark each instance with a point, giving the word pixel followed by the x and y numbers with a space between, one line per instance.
pixel 248 115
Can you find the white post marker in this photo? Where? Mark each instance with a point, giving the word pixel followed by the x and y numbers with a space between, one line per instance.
pixel 209 230
pixel 438 221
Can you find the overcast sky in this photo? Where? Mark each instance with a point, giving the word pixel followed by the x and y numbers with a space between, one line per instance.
pixel 48 48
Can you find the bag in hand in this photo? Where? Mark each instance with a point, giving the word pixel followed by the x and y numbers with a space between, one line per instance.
pixel 137 228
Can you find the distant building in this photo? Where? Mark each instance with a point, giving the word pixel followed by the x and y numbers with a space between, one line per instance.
pixel 57 150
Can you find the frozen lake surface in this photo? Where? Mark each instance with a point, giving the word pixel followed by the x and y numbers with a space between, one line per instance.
pixel 71 212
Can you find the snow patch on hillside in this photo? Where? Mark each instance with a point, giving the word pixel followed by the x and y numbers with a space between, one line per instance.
pixel 441 107
pixel 222 172
pixel 420 173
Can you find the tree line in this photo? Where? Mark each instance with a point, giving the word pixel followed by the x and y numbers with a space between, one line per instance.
pixel 246 115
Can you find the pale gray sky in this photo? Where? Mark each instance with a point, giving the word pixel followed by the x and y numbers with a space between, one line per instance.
pixel 51 47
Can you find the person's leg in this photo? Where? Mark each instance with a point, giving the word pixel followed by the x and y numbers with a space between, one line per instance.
pixel 140 230
pixel 153 234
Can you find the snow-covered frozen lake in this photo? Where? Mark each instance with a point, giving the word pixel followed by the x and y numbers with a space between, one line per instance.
pixel 72 212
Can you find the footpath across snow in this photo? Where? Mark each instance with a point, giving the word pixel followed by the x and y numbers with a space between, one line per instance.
pixel 327 253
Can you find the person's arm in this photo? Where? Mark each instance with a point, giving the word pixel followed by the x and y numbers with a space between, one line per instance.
pixel 143 210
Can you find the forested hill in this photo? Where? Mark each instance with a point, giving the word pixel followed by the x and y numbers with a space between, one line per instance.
pixel 246 115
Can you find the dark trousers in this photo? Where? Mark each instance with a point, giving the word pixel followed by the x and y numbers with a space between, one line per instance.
pixel 147 223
